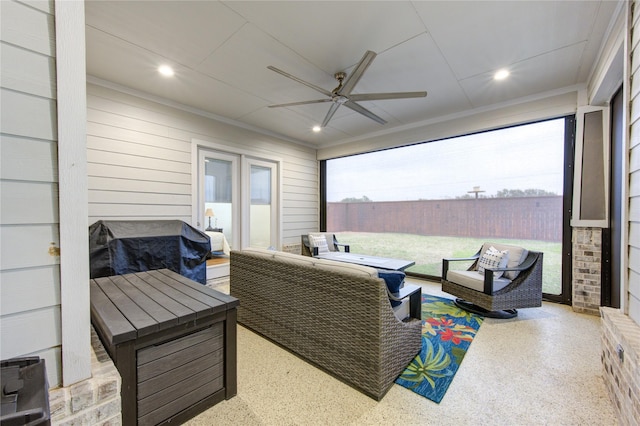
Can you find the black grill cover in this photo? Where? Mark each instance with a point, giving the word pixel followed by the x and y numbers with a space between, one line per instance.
pixel 123 246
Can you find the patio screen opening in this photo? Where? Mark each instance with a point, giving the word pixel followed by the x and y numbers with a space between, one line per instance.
pixel 440 199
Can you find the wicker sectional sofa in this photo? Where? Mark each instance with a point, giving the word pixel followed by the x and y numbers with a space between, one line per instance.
pixel 334 315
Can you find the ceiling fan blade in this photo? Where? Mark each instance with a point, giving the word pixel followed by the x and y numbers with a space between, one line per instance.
pixel 317 101
pixel 332 110
pixel 382 96
pixel 354 77
pixel 313 86
pixel 362 110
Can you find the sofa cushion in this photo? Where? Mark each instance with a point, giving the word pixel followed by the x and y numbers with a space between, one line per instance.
pixel 474 281
pixel 517 255
pixel 346 268
pixel 394 281
pixel 493 258
pixel 320 242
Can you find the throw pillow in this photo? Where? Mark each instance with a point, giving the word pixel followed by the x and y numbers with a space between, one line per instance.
pixel 493 258
pixel 319 241
pixel 394 281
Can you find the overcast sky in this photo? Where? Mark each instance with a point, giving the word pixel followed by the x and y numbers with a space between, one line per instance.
pixel 522 157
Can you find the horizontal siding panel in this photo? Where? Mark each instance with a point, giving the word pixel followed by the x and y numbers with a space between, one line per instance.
pixel 295 191
pixel 634 234
pixel 302 176
pixel 309 197
pixel 300 218
pixel 634 135
pixel 137 210
pixel 27 27
pixel 138 198
pixel 634 259
pixel 634 308
pixel 27 115
pixel 111 184
pixel 29 289
pixel 118 159
pixel 635 63
pixel 133 173
pixel 635 32
pixel 53 363
pixel 307 165
pixel 634 184
pixel 292 235
pixel 25 71
pixel 296 204
pixel 25 246
pixel 102 118
pixel 137 136
pixel 42 327
pixel 634 209
pixel 634 160
pixel 294 183
pixel 135 149
pixel 28 159
pixel 634 283
pixel 298 211
pixel 634 115
pixel 29 202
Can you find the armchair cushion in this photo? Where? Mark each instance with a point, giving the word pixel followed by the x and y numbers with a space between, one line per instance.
pixel 320 242
pixel 517 255
pixel 493 258
pixel 394 281
pixel 475 281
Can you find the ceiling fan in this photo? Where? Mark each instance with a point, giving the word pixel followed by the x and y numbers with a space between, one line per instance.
pixel 342 95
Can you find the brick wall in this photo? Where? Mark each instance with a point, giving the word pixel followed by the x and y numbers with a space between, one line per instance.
pixel 95 401
pixel 587 270
pixel 621 373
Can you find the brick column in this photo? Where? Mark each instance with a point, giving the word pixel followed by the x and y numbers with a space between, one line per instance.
pixel 587 270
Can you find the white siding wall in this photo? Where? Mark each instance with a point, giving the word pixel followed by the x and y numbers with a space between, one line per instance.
pixel 29 271
pixel 139 162
pixel 634 174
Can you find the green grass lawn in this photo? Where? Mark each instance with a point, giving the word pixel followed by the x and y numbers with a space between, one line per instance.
pixel 428 252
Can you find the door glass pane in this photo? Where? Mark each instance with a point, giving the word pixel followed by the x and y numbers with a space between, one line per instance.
pixel 443 199
pixel 260 210
pixel 218 184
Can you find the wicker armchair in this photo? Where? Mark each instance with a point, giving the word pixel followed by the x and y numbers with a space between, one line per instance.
pixel 496 297
pixel 332 243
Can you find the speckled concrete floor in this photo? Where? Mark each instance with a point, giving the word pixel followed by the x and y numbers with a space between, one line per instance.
pixel 541 368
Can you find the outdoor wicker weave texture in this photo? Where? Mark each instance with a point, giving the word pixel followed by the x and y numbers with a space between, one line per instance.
pixel 340 322
pixel 525 291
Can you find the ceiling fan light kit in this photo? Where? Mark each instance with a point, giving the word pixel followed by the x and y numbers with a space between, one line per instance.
pixel 341 95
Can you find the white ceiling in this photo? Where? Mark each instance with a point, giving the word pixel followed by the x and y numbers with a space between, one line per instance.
pixel 220 51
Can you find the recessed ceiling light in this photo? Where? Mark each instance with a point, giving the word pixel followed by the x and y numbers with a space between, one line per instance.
pixel 166 70
pixel 316 128
pixel 501 74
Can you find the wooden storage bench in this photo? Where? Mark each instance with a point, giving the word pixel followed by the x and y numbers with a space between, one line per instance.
pixel 173 341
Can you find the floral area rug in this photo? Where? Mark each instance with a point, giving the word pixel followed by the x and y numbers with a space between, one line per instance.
pixel 447 332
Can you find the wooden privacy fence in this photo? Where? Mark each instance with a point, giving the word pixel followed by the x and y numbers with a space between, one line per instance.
pixel 530 218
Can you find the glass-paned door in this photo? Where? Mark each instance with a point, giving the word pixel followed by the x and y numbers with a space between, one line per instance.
pixel 262 201
pixel 219 193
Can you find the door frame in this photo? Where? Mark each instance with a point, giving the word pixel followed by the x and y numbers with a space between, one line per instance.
pixel 243 154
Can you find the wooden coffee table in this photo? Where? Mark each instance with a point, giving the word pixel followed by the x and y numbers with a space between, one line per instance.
pixel 367 260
